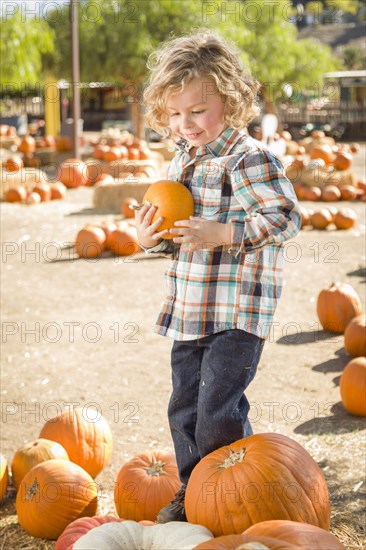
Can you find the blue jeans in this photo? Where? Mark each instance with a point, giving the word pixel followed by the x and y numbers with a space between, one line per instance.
pixel 207 408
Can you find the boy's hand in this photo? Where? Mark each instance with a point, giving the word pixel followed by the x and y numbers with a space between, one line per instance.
pixel 147 233
pixel 201 233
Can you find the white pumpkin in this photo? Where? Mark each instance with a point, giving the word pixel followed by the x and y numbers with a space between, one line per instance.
pixel 130 535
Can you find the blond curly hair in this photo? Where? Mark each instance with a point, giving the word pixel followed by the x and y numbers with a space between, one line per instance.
pixel 206 54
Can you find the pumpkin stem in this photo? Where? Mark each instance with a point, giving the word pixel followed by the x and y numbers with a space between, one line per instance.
pixel 233 458
pixel 32 490
pixel 155 469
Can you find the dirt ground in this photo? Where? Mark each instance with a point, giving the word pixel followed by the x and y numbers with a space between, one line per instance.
pixel 78 331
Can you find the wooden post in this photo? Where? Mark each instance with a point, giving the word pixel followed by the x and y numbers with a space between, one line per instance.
pixel 75 75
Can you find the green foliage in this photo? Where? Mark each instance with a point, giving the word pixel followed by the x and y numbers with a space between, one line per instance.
pixel 116 36
pixel 272 51
pixel 353 57
pixel 22 45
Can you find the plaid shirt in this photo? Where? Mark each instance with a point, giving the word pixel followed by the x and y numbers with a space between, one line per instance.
pixel 232 180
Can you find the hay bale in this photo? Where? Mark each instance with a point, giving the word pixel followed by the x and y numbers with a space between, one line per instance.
pixel 165 149
pixel 109 196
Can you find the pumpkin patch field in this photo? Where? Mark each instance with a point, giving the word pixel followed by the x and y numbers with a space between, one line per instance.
pixel 81 366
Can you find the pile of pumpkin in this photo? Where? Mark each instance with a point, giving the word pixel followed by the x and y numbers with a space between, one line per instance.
pixel 328 218
pixel 116 146
pixel 116 237
pixel 339 310
pixel 264 491
pixel 321 169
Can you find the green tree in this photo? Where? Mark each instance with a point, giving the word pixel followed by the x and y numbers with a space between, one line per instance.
pixel 116 36
pixel 23 44
pixel 352 57
pixel 271 49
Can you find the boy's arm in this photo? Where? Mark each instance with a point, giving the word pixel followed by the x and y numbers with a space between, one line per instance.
pixel 269 200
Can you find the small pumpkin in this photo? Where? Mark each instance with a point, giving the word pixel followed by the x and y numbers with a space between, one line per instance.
pixel 323 152
pixel 331 193
pixel 27 145
pixel 348 192
pixel 32 453
pixel 353 386
pixel 86 436
pixel 16 194
pixel 73 173
pixel 90 242
pixel 343 160
pixel 173 201
pixel 123 241
pixel 262 477
pixel 145 484
pixel 320 219
pixel 51 495
pixel 4 476
pixel 58 190
pixel 13 164
pixel 355 336
pixel 345 218
pixel 337 305
pixel 130 535
pixel 43 190
pixel 312 193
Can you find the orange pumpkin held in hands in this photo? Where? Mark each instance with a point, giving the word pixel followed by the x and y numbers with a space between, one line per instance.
pixel 34 453
pixel 51 495
pixel 353 386
pixel 337 305
pixel 355 336
pixel 248 482
pixel 173 201
pixel 85 435
pixel 154 477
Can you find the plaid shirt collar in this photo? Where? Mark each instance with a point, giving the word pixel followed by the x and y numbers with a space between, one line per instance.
pixel 218 147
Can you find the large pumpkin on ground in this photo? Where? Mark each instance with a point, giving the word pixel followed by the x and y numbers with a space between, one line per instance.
pixel 301 534
pixel 353 386
pixel 51 495
pixel 32 453
pixel 355 336
pixel 4 476
pixel 85 435
pixel 173 201
pixel 145 484
pixel 262 477
pixel 130 535
pixel 337 305
pixel 245 542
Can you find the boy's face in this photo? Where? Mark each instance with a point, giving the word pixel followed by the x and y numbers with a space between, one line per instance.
pixel 196 113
